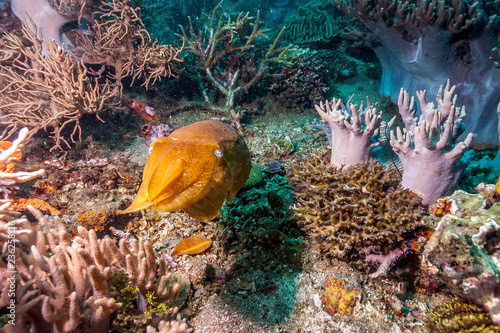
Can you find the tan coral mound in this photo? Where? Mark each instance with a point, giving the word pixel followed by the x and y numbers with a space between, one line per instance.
pixel 352 210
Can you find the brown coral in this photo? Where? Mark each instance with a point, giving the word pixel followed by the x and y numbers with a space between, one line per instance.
pixel 337 299
pixel 346 211
pixel 458 316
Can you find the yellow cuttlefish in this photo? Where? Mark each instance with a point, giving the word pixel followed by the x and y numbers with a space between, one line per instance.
pixel 194 169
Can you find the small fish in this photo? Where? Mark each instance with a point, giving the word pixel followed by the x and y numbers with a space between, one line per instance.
pixel 194 169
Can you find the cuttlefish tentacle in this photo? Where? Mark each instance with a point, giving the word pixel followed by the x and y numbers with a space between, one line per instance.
pixel 195 169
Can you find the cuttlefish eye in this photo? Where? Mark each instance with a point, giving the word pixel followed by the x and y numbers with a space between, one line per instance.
pixel 190 170
pixel 218 152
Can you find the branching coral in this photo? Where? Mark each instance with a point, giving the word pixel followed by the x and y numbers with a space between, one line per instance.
pixel 9 177
pixel 120 40
pixel 46 92
pixel 48 88
pixel 222 52
pixel 346 211
pixel 72 278
pixel 337 299
pixel 426 146
pixel 420 44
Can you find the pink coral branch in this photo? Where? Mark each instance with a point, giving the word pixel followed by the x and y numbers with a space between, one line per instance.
pixel 428 154
pixel 352 130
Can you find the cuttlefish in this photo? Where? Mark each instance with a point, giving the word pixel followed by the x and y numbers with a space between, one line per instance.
pixel 195 169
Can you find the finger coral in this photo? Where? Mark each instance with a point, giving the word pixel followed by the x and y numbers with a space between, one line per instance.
pixel 66 286
pixel 351 131
pixel 346 211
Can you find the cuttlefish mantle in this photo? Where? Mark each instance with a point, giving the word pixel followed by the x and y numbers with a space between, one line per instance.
pixel 194 169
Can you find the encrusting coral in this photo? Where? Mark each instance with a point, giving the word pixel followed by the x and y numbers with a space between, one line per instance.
pixel 22 204
pixel 337 299
pixel 351 210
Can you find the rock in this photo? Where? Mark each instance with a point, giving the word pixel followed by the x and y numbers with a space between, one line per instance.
pixel 464 252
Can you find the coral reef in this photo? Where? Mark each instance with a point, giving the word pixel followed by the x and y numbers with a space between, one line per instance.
pixel 420 44
pixel 346 211
pixel 303 82
pixel 463 251
pixel 315 241
pixel 21 204
pixel 46 92
pixel 119 40
pixel 71 279
pixel 50 88
pixel 224 52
